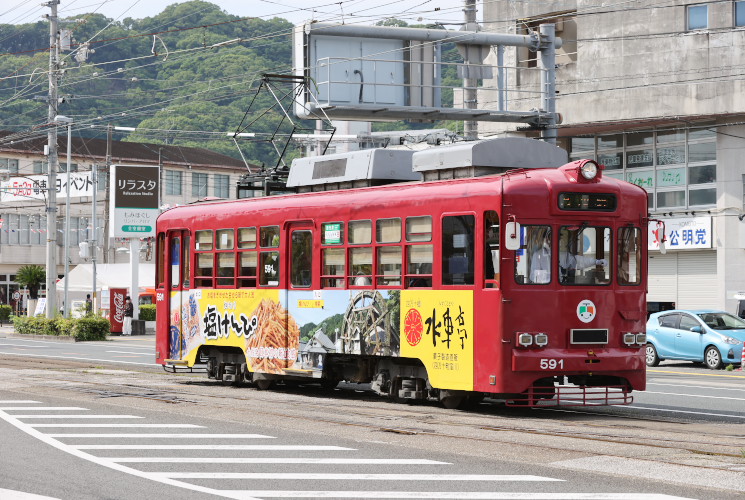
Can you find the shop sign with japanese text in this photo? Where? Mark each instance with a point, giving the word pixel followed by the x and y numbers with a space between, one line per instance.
pixel 681 233
pixel 34 187
pixel 135 192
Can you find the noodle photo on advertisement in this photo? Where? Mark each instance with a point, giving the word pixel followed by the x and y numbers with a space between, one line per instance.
pixel 269 349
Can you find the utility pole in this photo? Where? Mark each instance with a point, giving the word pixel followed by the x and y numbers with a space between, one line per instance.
pixel 470 99
pixel 109 132
pixel 51 308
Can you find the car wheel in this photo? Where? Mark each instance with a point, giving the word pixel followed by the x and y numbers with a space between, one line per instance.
pixel 651 356
pixel 712 358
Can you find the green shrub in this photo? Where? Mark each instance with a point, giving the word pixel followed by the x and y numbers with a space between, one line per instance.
pixel 147 312
pixel 91 328
pixel 88 328
pixel 5 312
pixel 64 327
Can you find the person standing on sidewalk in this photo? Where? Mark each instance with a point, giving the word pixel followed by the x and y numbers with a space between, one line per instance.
pixel 129 311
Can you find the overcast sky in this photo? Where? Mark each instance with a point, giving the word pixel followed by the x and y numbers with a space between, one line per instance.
pixel 296 11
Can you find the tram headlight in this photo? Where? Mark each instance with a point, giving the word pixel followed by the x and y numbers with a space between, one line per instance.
pixel 589 170
pixel 629 338
pixel 541 339
pixel 525 339
pixel 641 338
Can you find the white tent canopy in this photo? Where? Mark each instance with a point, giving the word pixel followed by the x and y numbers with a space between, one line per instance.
pixel 107 276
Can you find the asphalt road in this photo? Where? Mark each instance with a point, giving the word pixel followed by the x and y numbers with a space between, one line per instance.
pixel 98 420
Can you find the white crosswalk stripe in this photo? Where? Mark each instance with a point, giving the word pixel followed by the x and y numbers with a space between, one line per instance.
pixel 77 443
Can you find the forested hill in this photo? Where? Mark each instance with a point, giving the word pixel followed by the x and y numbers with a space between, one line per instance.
pixel 163 75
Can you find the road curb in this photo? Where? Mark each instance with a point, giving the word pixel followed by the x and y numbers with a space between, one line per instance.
pixel 58 338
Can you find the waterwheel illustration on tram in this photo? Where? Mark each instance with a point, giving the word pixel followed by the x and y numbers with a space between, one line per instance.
pixel 368 329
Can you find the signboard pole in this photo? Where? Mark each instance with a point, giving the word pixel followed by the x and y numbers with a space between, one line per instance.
pixel 134 260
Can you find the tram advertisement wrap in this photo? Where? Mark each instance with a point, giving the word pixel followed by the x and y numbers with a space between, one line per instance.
pixel 283 331
pixel 437 328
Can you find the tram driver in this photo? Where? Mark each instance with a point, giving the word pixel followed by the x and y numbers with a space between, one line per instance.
pixel 571 264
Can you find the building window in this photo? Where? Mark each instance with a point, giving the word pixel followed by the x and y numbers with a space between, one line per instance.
pixel 8 165
pixel 63 166
pixel 173 182
pixel 222 183
pixel 739 13
pixel 40 167
pixel 199 185
pixel 698 17
pixel 670 164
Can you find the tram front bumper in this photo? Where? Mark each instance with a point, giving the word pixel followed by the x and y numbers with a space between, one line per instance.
pixel 562 361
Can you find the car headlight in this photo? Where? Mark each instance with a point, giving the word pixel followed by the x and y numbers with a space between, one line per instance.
pixel 641 338
pixel 629 338
pixel 732 341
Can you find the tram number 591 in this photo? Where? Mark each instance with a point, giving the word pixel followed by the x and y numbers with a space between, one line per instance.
pixel 551 364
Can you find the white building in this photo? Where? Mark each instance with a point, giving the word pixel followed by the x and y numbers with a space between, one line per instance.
pixel 187 174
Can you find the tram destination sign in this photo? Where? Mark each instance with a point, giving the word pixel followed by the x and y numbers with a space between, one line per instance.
pixel 134 195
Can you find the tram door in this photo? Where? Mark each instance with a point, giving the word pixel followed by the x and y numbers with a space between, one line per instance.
pixel 178 291
pixel 298 265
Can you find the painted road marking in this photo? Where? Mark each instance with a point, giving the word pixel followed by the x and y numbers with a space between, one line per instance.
pixel 281 460
pixel 254 447
pixel 309 476
pixel 168 436
pixel 139 426
pixel 75 416
pixel 45 408
pixel 455 495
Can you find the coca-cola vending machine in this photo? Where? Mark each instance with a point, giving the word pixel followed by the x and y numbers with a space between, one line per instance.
pixel 116 317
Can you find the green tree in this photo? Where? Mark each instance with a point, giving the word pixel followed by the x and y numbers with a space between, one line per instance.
pixel 32 277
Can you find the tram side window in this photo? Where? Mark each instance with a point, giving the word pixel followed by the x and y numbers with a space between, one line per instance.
pixel 360 258
pixel 419 257
pixel 533 258
pixel 360 232
pixel 247 269
pixel 269 236
pixel 204 275
pixel 629 256
pixel 246 260
pixel 160 260
pixel 186 260
pixel 246 237
pixel 389 257
pixel 269 269
pixel 334 259
pixel 334 269
pixel 175 262
pixel 301 262
pixel 360 262
pixel 225 259
pixel 491 250
pixel 457 249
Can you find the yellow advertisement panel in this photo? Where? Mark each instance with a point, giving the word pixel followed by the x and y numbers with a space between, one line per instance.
pixel 252 320
pixel 437 328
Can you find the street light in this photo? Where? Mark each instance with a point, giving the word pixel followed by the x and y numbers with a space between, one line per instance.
pixel 60 120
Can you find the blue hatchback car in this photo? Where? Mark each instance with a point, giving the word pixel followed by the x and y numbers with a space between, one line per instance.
pixel 708 336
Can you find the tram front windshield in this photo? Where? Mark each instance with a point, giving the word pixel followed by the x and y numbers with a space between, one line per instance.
pixel 581 255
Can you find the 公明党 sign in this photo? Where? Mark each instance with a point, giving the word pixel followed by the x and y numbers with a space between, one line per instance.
pixel 681 233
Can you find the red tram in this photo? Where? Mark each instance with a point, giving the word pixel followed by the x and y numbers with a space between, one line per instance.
pixel 528 286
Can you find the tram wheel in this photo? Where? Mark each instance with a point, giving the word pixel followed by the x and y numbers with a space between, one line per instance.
pixel 264 384
pixel 453 402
